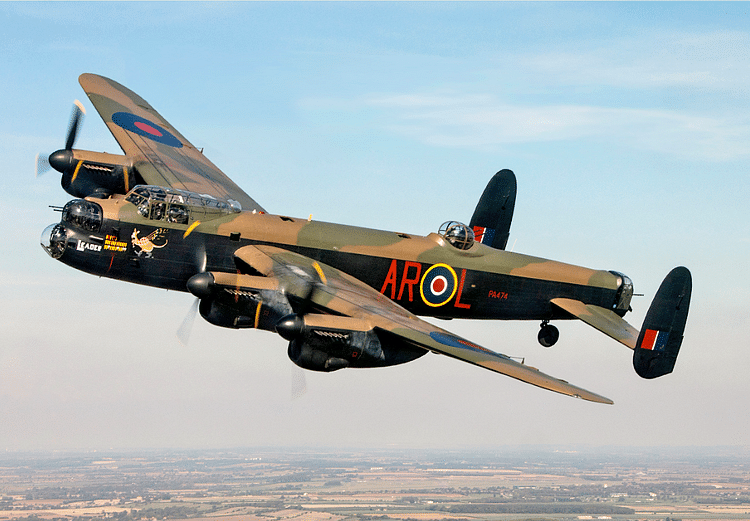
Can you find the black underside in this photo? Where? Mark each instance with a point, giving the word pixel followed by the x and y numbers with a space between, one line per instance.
pixel 174 259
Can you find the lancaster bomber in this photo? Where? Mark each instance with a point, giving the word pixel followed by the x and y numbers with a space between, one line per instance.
pixel 163 215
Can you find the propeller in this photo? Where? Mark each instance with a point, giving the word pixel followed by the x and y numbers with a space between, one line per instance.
pixel 42 165
pixel 183 332
pixel 291 327
pixel 75 121
pixel 63 160
pixel 299 382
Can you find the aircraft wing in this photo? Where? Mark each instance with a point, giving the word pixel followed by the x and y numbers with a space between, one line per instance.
pixel 160 154
pixel 340 294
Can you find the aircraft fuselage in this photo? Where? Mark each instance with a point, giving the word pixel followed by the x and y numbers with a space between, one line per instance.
pixel 425 274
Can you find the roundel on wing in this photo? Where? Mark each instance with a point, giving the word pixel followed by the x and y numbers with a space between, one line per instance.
pixel 145 128
pixel 438 286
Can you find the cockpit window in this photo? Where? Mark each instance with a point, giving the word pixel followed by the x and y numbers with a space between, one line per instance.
pixel 458 234
pixel 139 197
pixel 158 209
pixel 83 214
pixel 177 213
pixel 178 206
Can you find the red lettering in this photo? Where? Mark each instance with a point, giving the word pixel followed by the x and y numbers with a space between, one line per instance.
pixel 458 302
pixel 391 279
pixel 406 281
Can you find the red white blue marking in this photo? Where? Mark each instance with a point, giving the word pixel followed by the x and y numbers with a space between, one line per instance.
pixel 483 235
pixel 145 128
pixel 439 285
pixel 654 340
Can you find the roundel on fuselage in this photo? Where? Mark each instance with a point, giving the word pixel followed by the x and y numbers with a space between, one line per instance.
pixel 438 286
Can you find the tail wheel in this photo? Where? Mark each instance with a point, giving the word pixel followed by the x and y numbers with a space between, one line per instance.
pixel 548 334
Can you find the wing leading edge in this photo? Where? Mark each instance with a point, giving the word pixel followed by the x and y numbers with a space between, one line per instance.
pixel 160 154
pixel 341 294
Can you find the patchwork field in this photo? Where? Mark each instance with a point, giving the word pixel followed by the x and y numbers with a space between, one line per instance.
pixel 249 485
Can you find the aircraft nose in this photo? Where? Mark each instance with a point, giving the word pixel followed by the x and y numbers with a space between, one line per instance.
pixel 62 160
pixel 54 240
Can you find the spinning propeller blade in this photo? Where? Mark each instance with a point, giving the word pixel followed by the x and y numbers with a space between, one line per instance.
pixel 75 121
pixel 183 333
pixel 62 160
pixel 299 382
pixel 42 165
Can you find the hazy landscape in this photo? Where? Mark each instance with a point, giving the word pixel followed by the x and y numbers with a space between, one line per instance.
pixel 509 483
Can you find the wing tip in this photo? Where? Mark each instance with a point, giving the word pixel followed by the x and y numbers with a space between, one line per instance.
pixel 592 397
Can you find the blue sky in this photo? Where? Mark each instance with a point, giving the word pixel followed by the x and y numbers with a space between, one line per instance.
pixel 626 124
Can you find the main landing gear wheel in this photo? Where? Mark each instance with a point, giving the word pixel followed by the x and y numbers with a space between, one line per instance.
pixel 548 335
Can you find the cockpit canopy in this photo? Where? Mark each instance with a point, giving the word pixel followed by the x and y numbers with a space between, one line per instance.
pixel 172 205
pixel 458 234
pixel 624 292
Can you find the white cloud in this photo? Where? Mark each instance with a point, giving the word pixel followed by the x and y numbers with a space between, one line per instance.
pixel 479 121
pixel 713 61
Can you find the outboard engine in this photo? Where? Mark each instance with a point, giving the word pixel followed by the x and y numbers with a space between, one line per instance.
pixel 87 173
pixel 328 349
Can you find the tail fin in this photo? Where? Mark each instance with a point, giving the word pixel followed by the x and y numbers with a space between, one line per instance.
pixel 494 212
pixel 660 338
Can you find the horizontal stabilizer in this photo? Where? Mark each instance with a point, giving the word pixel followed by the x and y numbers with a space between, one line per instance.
pixel 661 335
pixel 605 320
pixel 494 212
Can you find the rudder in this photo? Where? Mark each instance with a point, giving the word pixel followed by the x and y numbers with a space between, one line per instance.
pixel 494 212
pixel 661 336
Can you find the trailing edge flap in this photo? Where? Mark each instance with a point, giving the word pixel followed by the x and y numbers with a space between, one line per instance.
pixel 661 335
pixel 605 320
pixel 494 212
pixel 345 296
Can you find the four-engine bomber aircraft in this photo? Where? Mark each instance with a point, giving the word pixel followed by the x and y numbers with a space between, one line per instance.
pixel 163 215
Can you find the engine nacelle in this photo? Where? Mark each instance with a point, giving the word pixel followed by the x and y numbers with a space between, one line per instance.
pixel 325 348
pixel 239 301
pixel 317 342
pixel 92 173
pixel 314 359
pixel 255 313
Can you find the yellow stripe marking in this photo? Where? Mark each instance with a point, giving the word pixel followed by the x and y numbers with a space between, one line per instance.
pixel 320 272
pixel 257 315
pixel 125 174
pixel 75 172
pixel 190 229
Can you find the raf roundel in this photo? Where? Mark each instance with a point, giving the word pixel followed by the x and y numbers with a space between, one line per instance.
pixel 438 285
pixel 145 128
